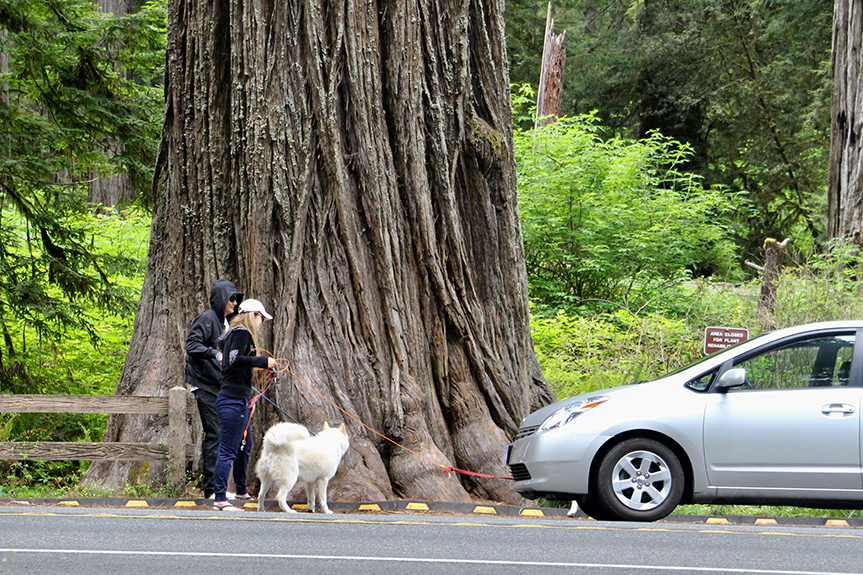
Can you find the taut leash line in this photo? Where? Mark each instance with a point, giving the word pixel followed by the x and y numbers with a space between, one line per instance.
pixel 283 366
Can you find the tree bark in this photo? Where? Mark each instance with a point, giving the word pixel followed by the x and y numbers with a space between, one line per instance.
pixel 350 164
pixel 774 257
pixel 115 190
pixel 845 188
pixel 549 96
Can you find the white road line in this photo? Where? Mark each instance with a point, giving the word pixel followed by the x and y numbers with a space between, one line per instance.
pixel 430 560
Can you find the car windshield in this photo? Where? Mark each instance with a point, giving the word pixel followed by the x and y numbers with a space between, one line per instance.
pixel 705 358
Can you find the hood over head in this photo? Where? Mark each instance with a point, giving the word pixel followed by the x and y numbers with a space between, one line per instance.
pixel 220 293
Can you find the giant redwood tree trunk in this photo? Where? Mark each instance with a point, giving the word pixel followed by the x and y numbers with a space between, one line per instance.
pixel 350 164
pixel 845 189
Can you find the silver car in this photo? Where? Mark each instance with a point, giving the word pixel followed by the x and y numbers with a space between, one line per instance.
pixel 773 420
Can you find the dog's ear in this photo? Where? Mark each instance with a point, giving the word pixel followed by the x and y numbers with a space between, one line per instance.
pixel 326 425
pixel 342 428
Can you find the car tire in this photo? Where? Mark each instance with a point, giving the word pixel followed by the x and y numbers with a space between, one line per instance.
pixel 639 479
pixel 592 507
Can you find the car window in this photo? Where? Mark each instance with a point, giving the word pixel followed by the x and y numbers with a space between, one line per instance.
pixel 703 382
pixel 822 361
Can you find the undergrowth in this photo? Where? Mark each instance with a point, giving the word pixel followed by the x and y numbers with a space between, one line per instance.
pixel 583 352
pixel 580 349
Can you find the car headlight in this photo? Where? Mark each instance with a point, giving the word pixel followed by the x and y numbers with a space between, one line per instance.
pixel 566 414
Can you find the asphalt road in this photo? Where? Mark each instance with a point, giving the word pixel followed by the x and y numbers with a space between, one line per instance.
pixel 75 541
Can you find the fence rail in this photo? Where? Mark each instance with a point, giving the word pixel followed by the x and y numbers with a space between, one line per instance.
pixel 176 405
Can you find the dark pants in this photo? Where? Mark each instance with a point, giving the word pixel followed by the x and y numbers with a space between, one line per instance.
pixel 234 414
pixel 210 443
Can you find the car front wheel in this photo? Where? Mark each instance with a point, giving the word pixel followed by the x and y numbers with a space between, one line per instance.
pixel 639 480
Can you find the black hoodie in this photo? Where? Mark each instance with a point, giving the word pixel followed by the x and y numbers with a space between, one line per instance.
pixel 237 363
pixel 202 368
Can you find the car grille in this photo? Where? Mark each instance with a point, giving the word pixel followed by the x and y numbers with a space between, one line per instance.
pixel 519 472
pixel 525 431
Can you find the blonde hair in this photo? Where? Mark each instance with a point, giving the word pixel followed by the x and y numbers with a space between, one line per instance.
pixel 247 320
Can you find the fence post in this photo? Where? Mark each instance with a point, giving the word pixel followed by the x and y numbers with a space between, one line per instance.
pixel 177 437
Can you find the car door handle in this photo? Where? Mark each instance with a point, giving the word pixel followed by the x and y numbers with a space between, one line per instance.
pixel 837 410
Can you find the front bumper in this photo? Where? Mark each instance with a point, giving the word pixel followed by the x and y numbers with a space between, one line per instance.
pixel 553 464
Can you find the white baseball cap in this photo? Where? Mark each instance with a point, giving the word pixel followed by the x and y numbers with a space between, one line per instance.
pixel 253 305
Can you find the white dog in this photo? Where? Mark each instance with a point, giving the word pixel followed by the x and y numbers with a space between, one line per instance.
pixel 289 453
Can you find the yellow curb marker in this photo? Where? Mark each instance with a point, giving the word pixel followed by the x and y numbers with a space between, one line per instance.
pixel 485 509
pixel 532 513
pixel 764 521
pixel 717 520
pixel 417 507
pixel 185 504
pixel 370 507
pixel 70 503
pixel 836 523
pixel 301 506
pixel 136 503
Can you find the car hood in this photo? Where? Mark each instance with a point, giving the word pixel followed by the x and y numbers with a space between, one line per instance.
pixel 537 417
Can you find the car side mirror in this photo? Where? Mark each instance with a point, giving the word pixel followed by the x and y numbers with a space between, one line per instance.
pixel 730 379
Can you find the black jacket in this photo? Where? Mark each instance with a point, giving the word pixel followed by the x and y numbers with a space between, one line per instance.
pixel 237 363
pixel 202 368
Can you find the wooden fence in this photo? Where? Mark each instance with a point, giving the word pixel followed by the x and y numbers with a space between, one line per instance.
pixel 177 405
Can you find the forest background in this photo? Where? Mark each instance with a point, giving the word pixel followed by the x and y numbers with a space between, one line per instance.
pixel 692 131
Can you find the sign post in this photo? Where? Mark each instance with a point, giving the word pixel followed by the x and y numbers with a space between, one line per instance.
pixel 717 338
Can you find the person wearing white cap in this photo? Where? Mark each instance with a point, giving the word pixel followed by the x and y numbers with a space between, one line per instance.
pixel 239 357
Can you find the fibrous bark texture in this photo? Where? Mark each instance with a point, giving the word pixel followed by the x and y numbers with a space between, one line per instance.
pixel 845 188
pixel 115 190
pixel 349 164
pixel 774 256
pixel 549 96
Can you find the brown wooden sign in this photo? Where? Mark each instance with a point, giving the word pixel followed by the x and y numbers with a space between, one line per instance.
pixel 717 338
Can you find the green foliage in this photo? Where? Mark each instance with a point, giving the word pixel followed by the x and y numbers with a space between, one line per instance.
pixel 582 354
pixel 68 103
pixel 23 484
pixel 613 220
pixel 826 286
pixel 85 360
pixel 579 355
pixel 764 511
pixel 80 98
pixel 746 84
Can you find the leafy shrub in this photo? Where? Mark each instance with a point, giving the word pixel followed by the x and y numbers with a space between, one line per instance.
pixel 613 220
pixel 84 359
pixel 826 286
pixel 581 354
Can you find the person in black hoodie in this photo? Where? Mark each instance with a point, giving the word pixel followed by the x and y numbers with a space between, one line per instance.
pixel 239 346
pixel 204 369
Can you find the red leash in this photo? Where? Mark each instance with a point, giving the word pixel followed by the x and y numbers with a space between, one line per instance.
pixel 474 473
pixel 285 368
pixel 252 402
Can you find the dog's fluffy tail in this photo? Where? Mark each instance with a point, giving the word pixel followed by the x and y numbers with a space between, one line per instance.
pixel 281 437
